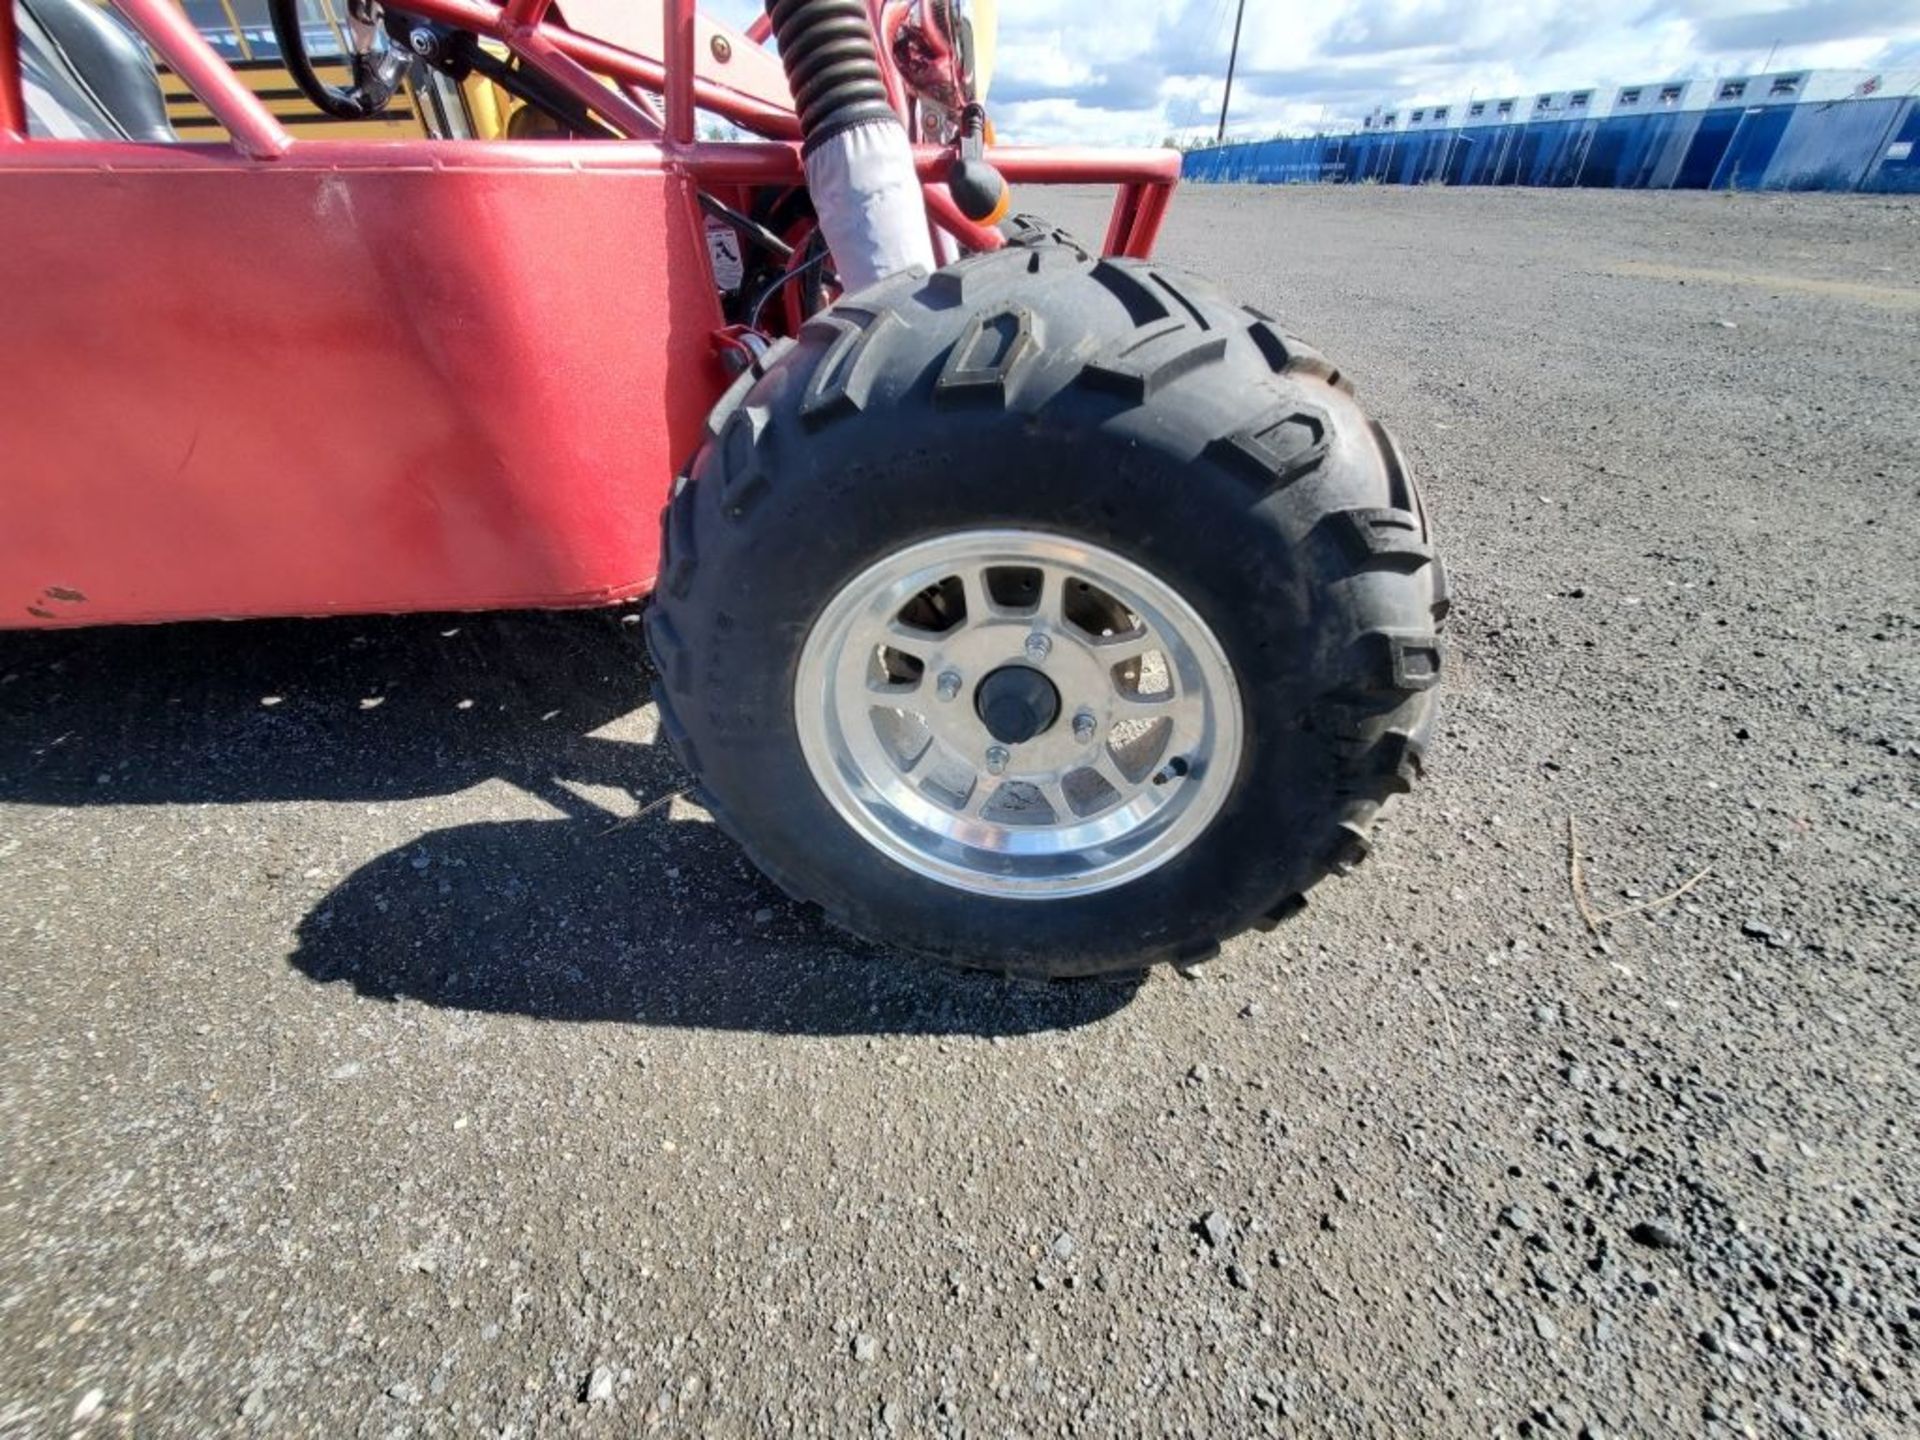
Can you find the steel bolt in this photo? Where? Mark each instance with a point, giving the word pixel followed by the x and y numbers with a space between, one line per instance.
pixel 1084 726
pixel 997 758
pixel 423 42
pixel 949 684
pixel 1038 647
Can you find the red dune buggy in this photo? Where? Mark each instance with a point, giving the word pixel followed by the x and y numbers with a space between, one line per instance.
pixel 1018 602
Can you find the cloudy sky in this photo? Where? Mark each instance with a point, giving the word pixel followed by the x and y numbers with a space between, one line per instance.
pixel 1133 71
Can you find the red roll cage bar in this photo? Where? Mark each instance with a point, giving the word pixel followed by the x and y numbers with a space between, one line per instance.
pixel 582 64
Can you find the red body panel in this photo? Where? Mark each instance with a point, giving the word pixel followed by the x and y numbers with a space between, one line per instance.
pixel 305 377
pixel 249 389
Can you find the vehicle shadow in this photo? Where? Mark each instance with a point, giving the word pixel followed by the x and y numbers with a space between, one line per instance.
pixel 660 923
pixel 390 708
pixel 653 921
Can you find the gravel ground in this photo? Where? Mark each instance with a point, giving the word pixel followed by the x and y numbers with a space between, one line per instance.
pixel 364 1074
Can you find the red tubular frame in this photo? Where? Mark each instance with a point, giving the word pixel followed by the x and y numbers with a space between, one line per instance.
pixel 612 105
pixel 543 314
pixel 582 65
pixel 681 72
pixel 13 106
pixel 166 28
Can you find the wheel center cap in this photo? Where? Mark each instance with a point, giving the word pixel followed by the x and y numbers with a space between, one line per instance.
pixel 1016 703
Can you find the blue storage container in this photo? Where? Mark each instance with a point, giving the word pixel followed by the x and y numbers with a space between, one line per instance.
pixel 1792 130
pixel 1895 168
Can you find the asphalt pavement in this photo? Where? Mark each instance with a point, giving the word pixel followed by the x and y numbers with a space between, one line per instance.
pixel 374 1066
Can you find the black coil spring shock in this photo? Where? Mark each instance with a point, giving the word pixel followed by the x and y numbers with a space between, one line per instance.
pixel 833 65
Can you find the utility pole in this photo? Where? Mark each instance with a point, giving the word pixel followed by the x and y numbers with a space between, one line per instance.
pixel 1232 59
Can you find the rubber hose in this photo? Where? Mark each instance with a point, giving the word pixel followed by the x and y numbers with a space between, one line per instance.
pixel 327 99
pixel 833 66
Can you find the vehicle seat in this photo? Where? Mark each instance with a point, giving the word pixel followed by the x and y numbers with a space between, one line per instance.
pixel 86 76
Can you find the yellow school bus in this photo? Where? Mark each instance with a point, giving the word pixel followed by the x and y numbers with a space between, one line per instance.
pixel 242 32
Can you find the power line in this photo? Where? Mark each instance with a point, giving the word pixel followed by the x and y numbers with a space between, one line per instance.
pixel 1233 58
pixel 1216 24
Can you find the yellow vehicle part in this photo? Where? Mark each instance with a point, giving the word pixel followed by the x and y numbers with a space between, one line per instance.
pixel 242 33
pixel 269 80
pixel 488 106
pixel 986 39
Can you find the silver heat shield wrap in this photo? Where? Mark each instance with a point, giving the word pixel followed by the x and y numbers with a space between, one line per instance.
pixel 869 203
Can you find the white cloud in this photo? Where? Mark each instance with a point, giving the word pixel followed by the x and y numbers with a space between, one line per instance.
pixel 1132 71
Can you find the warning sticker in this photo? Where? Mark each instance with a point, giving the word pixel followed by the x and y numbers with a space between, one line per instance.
pixel 723 245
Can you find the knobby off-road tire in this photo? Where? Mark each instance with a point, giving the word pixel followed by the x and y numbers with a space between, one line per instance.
pixel 1033 232
pixel 1113 404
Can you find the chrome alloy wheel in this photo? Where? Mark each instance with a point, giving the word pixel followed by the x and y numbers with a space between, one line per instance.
pixel 1018 714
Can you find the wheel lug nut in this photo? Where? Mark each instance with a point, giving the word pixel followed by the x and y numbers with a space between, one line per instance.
pixel 1038 647
pixel 1083 726
pixel 997 758
pixel 949 684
